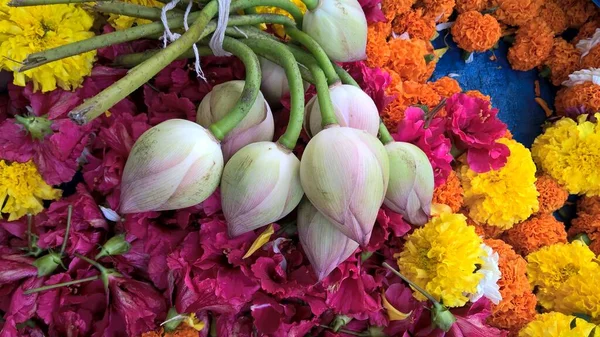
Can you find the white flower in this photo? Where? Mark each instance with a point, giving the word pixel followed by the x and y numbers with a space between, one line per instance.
pixel 488 286
pixel 585 45
pixel 582 76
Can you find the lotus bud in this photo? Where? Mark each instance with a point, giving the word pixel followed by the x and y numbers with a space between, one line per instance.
pixel 274 83
pixel 340 27
pixel 325 246
pixel 47 264
pixel 117 245
pixel 260 185
pixel 411 182
pixel 344 173
pixel 352 106
pixel 257 125
pixel 173 165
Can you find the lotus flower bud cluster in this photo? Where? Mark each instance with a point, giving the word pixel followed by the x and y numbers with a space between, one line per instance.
pixel 274 84
pixel 173 165
pixel 257 126
pixel 340 27
pixel 353 108
pixel 345 174
pixel 260 185
pixel 410 190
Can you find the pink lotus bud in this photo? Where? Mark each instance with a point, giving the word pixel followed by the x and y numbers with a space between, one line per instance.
pixel 340 27
pixel 260 185
pixel 345 173
pixel 274 83
pixel 353 108
pixel 325 246
pixel 257 126
pixel 173 165
pixel 411 182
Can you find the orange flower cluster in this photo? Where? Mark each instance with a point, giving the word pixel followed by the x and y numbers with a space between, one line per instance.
pixel 533 44
pixel 592 59
pixel 406 93
pixel 471 5
pixel 450 193
pixel 587 30
pixel 588 221
pixel 536 232
pixel 483 230
pixel 413 23
pixel 378 51
pixel 439 10
pixel 393 8
pixel 410 59
pixel 586 95
pixel 517 12
pixel 446 86
pixel 552 195
pixel 517 307
pixel 577 12
pixel 564 59
pixel 478 94
pixel 473 31
pixel 553 16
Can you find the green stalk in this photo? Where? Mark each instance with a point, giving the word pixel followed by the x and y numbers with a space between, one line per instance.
pixel 323 96
pixel 249 93
pixel 292 72
pixel 127 9
pixel 311 4
pixel 60 285
pixel 317 51
pixel 25 3
pixel 141 74
pixel 344 76
pixel 384 134
pixel 64 244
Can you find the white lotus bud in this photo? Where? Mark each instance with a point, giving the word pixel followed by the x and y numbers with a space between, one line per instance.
pixel 344 173
pixel 325 246
pixel 257 125
pixel 175 164
pixel 340 27
pixel 411 182
pixel 260 185
pixel 352 106
pixel 274 84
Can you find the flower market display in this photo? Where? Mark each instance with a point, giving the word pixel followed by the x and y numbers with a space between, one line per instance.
pixel 283 168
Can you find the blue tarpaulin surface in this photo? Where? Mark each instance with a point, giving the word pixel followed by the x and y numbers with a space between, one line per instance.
pixel 512 92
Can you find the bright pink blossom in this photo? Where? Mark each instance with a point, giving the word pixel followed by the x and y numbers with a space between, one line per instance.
pixel 372 9
pixel 373 81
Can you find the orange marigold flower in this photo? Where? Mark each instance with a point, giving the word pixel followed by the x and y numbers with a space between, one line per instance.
pixel 413 23
pixel 595 244
pixel 393 8
pixel 592 59
pixel 589 205
pixel 533 44
pixel 378 50
pixel 407 93
pixel 478 94
pixel 445 86
pixel 577 12
pixel 517 12
pixel 483 230
pixel 538 231
pixel 450 193
pixel 553 16
pixel 587 30
pixel 564 59
pixel 473 31
pixel 552 195
pixel 585 95
pixel 517 307
pixel 439 10
pixel 588 217
pixel 471 5
pixel 410 59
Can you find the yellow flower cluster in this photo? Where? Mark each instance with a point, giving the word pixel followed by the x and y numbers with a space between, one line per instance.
pixel 555 324
pixel 27 30
pixel 22 189
pixel 279 29
pixel 565 276
pixel 502 197
pixel 442 257
pixel 123 22
pixel 569 152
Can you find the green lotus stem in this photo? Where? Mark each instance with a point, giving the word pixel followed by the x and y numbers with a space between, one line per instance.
pixel 25 3
pixel 317 51
pixel 127 9
pixel 292 72
pixel 311 4
pixel 60 285
pixel 323 96
pixel 141 74
pixel 384 134
pixel 344 76
pixel 249 93
pixel 411 283
pixel 134 33
pixel 66 238
pixel 180 6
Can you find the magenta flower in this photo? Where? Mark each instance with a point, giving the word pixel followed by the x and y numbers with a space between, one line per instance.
pixel 372 9
pixel 373 81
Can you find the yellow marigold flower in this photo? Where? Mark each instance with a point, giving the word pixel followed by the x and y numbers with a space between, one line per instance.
pixel 502 197
pixel 555 324
pixel 568 151
pixel 26 30
pixel 441 257
pixel 279 29
pixel 22 189
pixel 123 22
pixel 579 294
pixel 551 266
